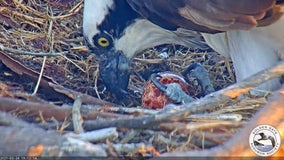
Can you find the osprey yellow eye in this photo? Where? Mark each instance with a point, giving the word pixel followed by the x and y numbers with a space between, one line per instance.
pixel 103 42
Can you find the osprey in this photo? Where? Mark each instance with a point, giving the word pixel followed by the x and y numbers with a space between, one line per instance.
pixel 250 32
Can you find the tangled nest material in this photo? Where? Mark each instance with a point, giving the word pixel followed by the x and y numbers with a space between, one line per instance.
pixel 34 29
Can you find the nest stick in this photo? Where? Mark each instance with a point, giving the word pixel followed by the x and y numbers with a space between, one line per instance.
pixel 238 145
pixel 180 112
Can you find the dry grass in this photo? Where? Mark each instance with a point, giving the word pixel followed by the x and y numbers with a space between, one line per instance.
pixel 40 27
pixel 43 27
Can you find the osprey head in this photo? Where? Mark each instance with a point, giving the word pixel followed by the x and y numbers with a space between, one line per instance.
pixel 114 32
pixel 104 22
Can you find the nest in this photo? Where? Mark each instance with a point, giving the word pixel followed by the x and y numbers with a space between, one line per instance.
pixel 36 34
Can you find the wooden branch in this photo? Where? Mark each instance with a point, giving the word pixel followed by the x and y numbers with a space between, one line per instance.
pixel 238 145
pixel 19 138
pixel 85 98
pixel 177 113
pixel 30 141
pixel 49 110
pixel 173 114
pixel 34 108
pixel 213 100
pixel 76 116
pixel 136 111
pixel 97 135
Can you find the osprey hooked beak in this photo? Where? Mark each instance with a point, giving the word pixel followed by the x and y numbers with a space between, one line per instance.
pixel 113 64
pixel 114 71
pixel 99 36
pixel 114 32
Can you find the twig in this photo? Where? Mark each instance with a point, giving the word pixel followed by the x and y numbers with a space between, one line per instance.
pixel 20 140
pixel 26 17
pixel 129 110
pixel 96 82
pixel 97 135
pixel 25 139
pixel 244 104
pixel 30 9
pixel 213 100
pixel 85 98
pixel 20 69
pixel 33 108
pixel 199 125
pixel 238 145
pixel 208 102
pixel 213 116
pixel 21 52
pixel 32 141
pixel 40 76
pixel 49 110
pixel 75 64
pixel 76 116
pixel 73 11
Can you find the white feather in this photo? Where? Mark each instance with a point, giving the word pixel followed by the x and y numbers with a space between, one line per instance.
pixel 94 14
pixel 253 50
pixel 142 34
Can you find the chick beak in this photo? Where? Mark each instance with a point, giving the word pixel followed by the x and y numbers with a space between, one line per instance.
pixel 114 71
